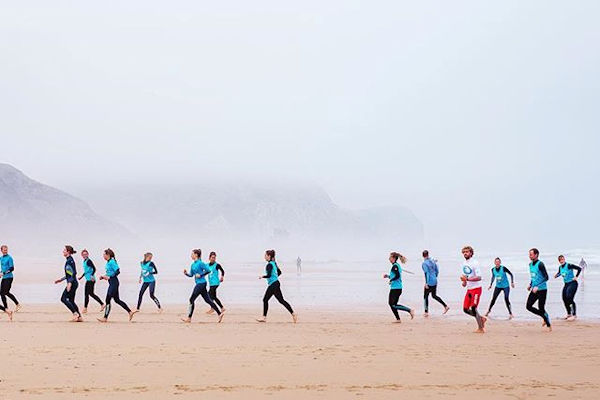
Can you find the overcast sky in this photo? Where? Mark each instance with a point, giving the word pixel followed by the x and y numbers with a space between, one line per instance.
pixel 450 108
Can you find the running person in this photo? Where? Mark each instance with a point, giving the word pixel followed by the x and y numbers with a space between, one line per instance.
pixel 6 273
pixel 471 279
pixel 112 273
pixel 68 296
pixel 198 271
pixel 538 288
pixel 148 270
pixel 272 273
pixel 570 289
pixel 499 273
pixel 89 272
pixel 395 281
pixel 214 280
pixel 431 270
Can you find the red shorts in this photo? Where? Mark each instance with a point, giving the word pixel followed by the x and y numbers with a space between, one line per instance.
pixel 472 298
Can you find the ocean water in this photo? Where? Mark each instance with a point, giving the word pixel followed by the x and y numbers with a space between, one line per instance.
pixel 349 286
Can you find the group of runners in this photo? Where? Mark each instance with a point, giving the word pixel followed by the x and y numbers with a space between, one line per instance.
pixel 472 279
pixel 208 277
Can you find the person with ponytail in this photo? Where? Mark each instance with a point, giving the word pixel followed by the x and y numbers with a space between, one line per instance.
pixel 112 273
pixel 148 270
pixel 272 273
pixel 395 282
pixel 89 272
pixel 68 296
pixel 198 271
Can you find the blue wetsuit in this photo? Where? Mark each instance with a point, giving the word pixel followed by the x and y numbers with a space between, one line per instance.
pixel 148 270
pixel 198 271
pixel 539 279
pixel 68 296
pixel 89 272
pixel 431 270
pixel 113 271
pixel 571 285
pixel 272 273
pixel 7 266
pixel 499 275
pixel 395 277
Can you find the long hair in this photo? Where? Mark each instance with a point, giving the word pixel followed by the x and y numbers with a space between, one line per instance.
pixel 109 253
pixel 397 256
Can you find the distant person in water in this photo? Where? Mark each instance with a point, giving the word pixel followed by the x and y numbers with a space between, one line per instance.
pixel 570 289
pixel 199 271
pixel 499 275
pixel 471 279
pixel 111 275
pixel 431 271
pixel 215 278
pixel 68 296
pixel 7 265
pixel 538 287
pixel 395 282
pixel 272 273
pixel 148 270
pixel 89 272
pixel 299 265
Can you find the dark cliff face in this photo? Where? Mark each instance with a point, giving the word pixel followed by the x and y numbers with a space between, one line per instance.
pixel 30 210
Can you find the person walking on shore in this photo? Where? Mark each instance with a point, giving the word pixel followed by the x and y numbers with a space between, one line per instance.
pixel 431 271
pixel 68 296
pixel 538 288
pixel 395 282
pixel 471 279
pixel 499 275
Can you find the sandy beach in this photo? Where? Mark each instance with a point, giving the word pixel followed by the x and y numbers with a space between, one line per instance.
pixel 334 355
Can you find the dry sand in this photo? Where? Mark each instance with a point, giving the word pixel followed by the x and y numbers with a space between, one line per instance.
pixel 333 355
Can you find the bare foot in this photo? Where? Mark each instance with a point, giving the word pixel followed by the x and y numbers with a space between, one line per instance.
pixel 295 318
pixel 487 313
pixel 18 307
pixel 426 315
pixel 221 317
pixel 398 321
pixel 446 310
pixel 483 321
pixel 186 320
pixel 79 319
pixel 223 309
pixel 104 320
pixel 412 314
pixel 131 314
pixel 480 330
pixel 572 318
pixel 10 315
pixel 511 316
pixel 75 318
pixel 261 319
pixel 84 311
pixel 210 311
pixel 549 329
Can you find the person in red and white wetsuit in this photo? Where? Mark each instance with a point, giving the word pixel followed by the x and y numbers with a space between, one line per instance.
pixel 471 279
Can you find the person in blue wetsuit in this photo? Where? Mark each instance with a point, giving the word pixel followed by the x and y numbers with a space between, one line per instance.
pixel 148 270
pixel 570 289
pixel 272 273
pixel 214 280
pixel 431 271
pixel 112 273
pixel 6 273
pixel 499 275
pixel 538 288
pixel 198 271
pixel 395 281
pixel 68 296
pixel 89 273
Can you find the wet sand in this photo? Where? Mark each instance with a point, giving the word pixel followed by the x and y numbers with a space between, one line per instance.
pixel 335 355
